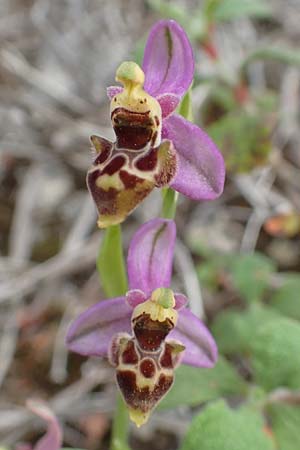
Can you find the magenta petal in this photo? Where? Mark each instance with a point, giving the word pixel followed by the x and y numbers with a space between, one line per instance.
pixel 52 440
pixel 135 297
pixel 201 169
pixel 168 103
pixel 200 347
pixel 168 60
pixel 150 255
pixel 180 301
pixel 92 331
pixel 111 91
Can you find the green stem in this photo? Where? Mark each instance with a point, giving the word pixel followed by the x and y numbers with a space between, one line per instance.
pixel 169 203
pixel 112 273
pixel 110 263
pixel 119 436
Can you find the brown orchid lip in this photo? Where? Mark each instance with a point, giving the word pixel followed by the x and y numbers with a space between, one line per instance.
pixel 149 333
pixel 133 130
pixel 143 376
pixel 131 117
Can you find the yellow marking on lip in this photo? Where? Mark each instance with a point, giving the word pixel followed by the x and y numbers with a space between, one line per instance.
pixel 106 182
pixel 125 202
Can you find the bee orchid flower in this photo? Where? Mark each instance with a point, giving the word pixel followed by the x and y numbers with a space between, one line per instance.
pixel 154 146
pixel 146 333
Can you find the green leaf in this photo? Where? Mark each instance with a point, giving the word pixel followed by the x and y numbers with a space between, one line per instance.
pixel 285 422
pixel 234 9
pixel 218 427
pixel 286 299
pixel 194 386
pixel 242 154
pixel 229 331
pixel 223 96
pixel 276 355
pixel 235 329
pixel 110 263
pixel 208 273
pixel 251 275
pixel 267 101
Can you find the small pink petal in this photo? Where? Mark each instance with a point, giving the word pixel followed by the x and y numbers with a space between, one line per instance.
pixel 52 440
pixel 168 103
pixel 180 300
pixel 135 297
pixel 111 91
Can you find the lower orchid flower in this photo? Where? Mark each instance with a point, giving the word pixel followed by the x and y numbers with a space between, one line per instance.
pixel 148 332
pixel 154 146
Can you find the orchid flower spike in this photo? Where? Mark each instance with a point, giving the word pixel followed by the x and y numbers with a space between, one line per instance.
pixel 149 331
pixel 154 146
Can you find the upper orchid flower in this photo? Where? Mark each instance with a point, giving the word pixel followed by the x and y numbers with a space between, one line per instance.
pixel 146 333
pixel 154 146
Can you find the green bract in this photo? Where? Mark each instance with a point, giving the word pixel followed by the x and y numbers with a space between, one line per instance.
pixel 285 421
pixel 251 274
pixel 220 428
pixel 234 329
pixel 287 299
pixel 193 387
pixel 276 356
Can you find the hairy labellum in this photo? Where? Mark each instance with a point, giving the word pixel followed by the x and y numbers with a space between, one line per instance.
pixel 126 171
pixel 134 130
pixel 121 178
pixel 145 362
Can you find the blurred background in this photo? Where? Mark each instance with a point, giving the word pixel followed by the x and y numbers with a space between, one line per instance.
pixel 237 258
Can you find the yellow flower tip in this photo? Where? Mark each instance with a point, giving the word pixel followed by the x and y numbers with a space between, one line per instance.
pixel 105 221
pixel 130 73
pixel 138 417
pixel 163 297
pixel 178 348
